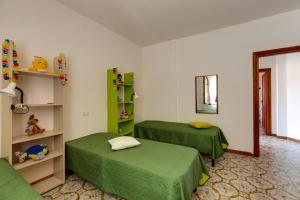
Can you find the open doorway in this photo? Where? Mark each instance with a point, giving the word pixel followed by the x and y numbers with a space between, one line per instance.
pixel 265 108
pixel 263 93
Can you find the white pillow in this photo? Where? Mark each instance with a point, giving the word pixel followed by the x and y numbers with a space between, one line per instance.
pixel 123 142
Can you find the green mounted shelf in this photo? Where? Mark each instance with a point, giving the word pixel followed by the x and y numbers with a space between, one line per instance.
pixel 122 90
pixel 125 120
pixel 126 133
pixel 122 102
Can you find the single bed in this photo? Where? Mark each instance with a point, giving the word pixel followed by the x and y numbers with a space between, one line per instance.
pixel 13 186
pixel 209 141
pixel 150 171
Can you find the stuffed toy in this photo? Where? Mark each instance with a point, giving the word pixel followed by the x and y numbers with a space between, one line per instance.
pixel 32 127
pixel 36 152
pixel 39 64
pixel 21 156
pixel 124 115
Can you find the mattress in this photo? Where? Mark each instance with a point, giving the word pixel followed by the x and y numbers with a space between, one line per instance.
pixel 150 171
pixel 13 186
pixel 209 141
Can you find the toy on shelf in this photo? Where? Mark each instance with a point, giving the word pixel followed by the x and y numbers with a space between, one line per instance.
pixel 114 77
pixel 32 127
pixel 6 45
pixel 60 66
pixel 120 82
pixel 36 152
pixel 21 156
pixel 39 64
pixel 124 115
pixel 115 71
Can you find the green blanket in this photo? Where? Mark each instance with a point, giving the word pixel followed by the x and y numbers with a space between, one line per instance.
pixel 13 186
pixel 150 171
pixel 208 141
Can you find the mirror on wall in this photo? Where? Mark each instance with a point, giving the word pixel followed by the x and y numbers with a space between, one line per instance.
pixel 207 94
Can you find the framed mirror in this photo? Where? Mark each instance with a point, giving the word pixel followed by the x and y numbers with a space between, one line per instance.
pixel 207 94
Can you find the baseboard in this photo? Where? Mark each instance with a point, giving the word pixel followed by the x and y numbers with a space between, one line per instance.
pixel 286 138
pixel 244 153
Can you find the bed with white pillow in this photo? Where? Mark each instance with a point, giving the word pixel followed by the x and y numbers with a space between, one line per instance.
pixel 136 169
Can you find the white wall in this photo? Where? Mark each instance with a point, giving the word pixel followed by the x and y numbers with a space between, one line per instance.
pixel 293 95
pixel 46 28
pixel 270 62
pixel 282 95
pixel 159 82
pixel 226 52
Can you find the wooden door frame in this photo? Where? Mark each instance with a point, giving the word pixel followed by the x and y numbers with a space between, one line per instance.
pixel 255 57
pixel 268 114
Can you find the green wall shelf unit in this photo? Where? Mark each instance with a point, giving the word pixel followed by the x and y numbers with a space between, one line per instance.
pixel 120 102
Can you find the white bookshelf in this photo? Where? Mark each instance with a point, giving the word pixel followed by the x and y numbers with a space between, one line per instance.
pixel 44 95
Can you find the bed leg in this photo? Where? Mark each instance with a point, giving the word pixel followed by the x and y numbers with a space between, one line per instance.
pixel 213 162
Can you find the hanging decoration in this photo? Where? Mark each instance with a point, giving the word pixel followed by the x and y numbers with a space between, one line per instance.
pixel 6 61
pixel 60 64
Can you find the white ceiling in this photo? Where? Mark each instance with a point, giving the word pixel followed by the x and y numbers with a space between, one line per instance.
pixel 147 22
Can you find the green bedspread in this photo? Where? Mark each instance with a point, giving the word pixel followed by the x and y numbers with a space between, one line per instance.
pixel 13 186
pixel 150 171
pixel 208 141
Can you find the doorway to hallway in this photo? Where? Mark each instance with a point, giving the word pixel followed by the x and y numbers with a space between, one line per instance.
pixel 265 108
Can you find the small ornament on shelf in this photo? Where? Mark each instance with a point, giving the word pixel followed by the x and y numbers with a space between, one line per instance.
pixel 114 78
pixel 114 82
pixel 115 71
pixel 120 81
pixel 124 115
pixel 60 65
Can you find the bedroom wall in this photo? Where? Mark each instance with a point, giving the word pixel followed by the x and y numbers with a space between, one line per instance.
pixel 169 69
pixel 46 28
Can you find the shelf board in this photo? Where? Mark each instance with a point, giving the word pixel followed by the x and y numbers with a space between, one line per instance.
pixel 124 84
pixel 26 138
pixel 33 73
pixel 125 102
pixel 47 184
pixel 125 133
pixel 29 163
pixel 43 105
pixel 125 120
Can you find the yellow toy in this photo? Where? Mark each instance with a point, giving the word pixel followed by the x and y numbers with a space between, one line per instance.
pixel 39 64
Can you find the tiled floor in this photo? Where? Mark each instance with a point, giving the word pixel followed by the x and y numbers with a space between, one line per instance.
pixel 275 175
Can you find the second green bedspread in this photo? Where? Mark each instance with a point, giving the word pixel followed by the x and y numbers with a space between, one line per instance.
pixel 209 141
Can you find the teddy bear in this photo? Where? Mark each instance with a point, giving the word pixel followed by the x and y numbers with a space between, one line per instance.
pixel 32 127
pixel 39 64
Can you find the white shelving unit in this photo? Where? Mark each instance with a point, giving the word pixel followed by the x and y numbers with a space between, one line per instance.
pixel 49 172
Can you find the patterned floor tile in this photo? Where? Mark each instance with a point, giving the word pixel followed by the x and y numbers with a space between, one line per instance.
pixel 275 175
